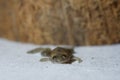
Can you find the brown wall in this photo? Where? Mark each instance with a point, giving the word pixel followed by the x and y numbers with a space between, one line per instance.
pixel 73 22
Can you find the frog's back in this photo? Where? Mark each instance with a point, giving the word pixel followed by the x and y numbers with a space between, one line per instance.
pixel 66 50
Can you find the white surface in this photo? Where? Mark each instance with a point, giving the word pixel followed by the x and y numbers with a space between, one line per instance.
pixel 99 63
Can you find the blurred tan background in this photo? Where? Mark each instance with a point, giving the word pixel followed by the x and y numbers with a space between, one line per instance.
pixel 69 22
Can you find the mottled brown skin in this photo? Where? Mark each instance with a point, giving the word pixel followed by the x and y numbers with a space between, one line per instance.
pixel 57 55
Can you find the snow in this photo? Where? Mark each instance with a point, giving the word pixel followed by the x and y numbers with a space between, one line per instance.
pixel 99 63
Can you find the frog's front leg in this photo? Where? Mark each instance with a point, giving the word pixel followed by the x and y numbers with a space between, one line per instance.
pixel 44 59
pixel 77 59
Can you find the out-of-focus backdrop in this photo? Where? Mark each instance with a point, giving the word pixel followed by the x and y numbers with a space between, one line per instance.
pixel 69 22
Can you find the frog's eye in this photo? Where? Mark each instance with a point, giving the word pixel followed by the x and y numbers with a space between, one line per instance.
pixel 54 57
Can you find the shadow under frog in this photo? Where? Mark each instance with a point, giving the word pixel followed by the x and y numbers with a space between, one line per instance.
pixel 57 55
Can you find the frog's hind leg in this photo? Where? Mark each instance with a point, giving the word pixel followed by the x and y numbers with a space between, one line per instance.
pixel 46 52
pixel 36 50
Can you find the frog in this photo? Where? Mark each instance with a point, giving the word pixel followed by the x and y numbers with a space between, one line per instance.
pixel 60 55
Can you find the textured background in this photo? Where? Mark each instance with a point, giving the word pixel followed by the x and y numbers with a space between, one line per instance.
pixel 73 22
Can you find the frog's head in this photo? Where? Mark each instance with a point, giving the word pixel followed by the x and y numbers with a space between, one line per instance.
pixel 61 55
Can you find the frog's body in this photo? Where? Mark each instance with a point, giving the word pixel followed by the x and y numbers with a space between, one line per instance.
pixel 57 55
